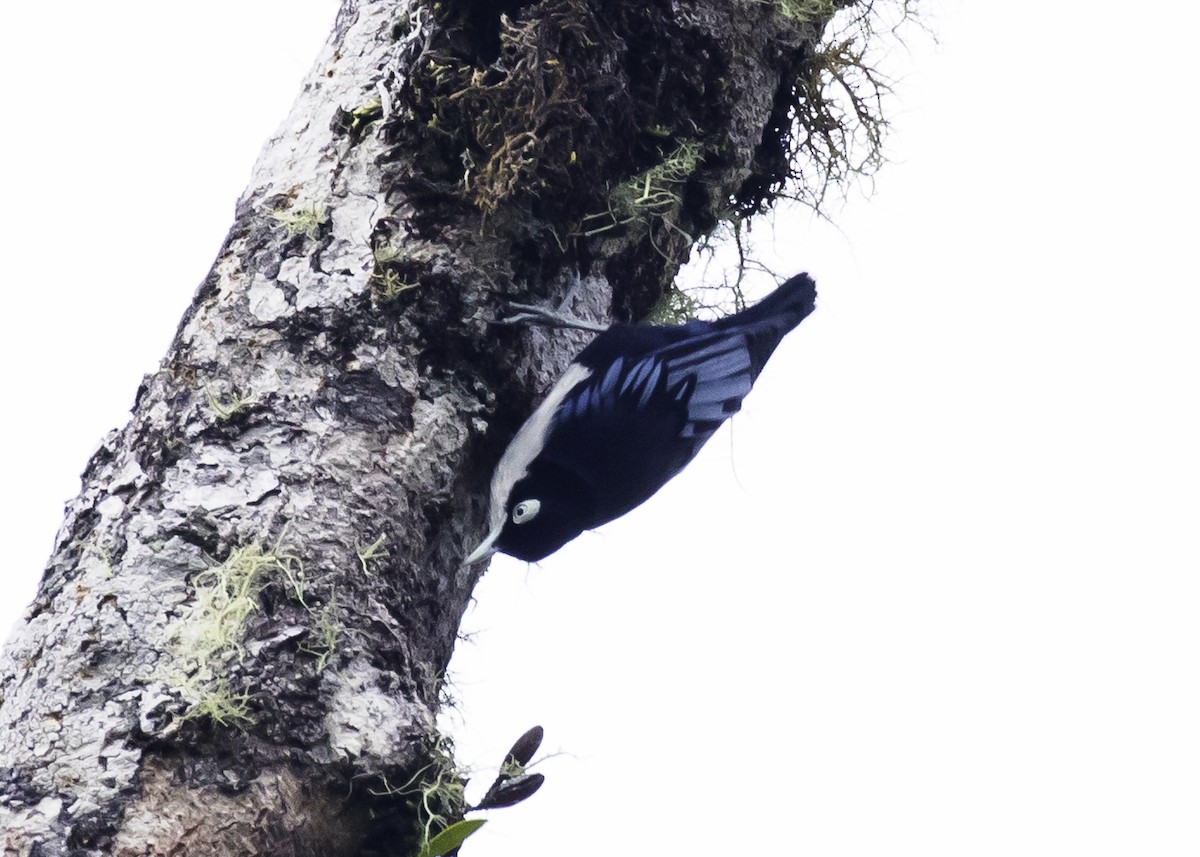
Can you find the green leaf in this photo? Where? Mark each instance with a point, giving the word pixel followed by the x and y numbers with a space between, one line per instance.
pixel 452 837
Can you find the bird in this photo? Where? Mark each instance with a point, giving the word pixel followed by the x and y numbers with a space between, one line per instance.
pixel 628 414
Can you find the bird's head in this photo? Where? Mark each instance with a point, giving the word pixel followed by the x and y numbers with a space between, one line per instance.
pixel 545 510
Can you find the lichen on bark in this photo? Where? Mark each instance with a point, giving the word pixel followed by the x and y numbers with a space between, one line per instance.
pixel 210 665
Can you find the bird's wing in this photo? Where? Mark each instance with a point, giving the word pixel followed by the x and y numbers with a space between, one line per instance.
pixel 633 424
pixel 716 371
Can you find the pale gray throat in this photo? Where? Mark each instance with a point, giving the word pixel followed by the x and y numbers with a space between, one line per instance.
pixel 527 443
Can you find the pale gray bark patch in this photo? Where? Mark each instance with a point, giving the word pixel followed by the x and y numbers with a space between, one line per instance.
pixel 360 712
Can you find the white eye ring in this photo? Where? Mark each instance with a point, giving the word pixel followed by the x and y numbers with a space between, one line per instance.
pixel 526 510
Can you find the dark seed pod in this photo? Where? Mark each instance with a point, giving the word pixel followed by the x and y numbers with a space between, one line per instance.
pixel 507 792
pixel 523 750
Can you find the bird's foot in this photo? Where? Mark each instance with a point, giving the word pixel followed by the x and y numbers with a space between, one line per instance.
pixel 546 317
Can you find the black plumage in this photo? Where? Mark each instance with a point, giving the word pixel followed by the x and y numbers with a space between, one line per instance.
pixel 631 411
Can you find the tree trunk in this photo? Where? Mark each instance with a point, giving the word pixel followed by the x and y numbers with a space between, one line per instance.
pixel 238 642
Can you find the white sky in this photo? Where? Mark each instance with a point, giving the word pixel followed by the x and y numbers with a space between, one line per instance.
pixel 937 591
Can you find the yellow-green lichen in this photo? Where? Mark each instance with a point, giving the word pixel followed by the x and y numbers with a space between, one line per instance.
pixel 375 550
pixel 326 632
pixel 650 195
pixel 226 407
pixel 807 11
pixel 210 636
pixel 221 705
pixel 361 118
pixel 437 791
pixel 390 283
pixel 385 252
pixel 305 220
pixel 674 307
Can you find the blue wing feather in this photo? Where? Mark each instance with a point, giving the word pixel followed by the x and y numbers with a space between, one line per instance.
pixel 634 425
pixel 722 372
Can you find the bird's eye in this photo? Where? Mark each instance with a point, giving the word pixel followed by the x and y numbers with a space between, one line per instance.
pixel 526 510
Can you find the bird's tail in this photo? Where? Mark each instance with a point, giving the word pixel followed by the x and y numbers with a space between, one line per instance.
pixel 769 320
pixel 789 304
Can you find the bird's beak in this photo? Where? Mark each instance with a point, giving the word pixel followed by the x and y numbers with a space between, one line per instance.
pixel 485 549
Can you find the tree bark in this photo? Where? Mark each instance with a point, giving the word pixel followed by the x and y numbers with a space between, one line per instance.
pixel 238 643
